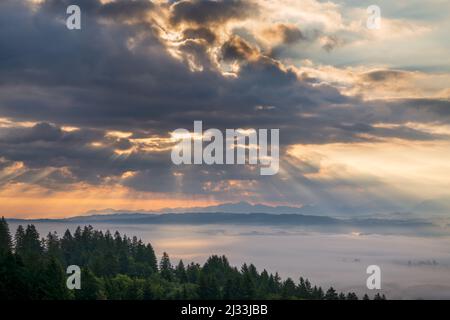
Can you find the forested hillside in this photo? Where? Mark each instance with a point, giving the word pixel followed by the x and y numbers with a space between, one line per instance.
pixel 119 267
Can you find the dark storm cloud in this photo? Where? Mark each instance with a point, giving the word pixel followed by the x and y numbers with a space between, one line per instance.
pixel 47 146
pixel 384 75
pixel 124 9
pixel 291 34
pixel 237 49
pixel 199 33
pixel 91 78
pixel 39 132
pixel 202 12
pixel 55 6
pixel 95 80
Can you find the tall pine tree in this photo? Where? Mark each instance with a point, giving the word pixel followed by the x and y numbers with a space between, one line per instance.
pixel 5 238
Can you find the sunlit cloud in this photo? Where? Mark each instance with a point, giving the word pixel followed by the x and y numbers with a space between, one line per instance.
pixel 414 170
pixel 361 112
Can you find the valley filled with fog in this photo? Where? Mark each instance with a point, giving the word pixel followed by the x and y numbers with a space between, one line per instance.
pixel 412 266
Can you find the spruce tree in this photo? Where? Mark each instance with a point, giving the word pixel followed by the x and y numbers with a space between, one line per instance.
pixel 91 288
pixel 150 257
pixel 19 240
pixel 165 267
pixel 54 281
pixel 5 238
pixel 331 294
pixel 208 288
pixel 180 272
pixel 379 297
pixel 247 288
pixel 289 289
pixel 352 296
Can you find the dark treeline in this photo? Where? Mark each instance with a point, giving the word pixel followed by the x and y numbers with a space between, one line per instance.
pixel 119 267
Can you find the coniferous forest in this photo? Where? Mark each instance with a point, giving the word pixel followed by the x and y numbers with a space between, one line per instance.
pixel 116 267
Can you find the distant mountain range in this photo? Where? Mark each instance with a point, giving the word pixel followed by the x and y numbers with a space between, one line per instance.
pixel 201 218
pixel 429 208
pixel 244 213
pixel 238 207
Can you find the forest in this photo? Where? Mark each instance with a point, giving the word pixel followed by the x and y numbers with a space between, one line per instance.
pixel 116 267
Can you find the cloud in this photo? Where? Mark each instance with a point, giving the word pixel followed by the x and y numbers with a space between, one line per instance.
pixel 284 33
pixel 123 9
pixel 238 49
pixel 202 13
pixel 199 33
pixel 138 70
pixel 332 42
pixel 384 75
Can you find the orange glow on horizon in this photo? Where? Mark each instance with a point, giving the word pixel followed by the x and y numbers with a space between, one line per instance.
pixel 32 202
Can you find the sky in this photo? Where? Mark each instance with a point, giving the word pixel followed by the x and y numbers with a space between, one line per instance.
pixel 86 115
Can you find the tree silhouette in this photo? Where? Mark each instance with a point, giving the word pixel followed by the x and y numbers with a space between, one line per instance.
pixel 5 237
